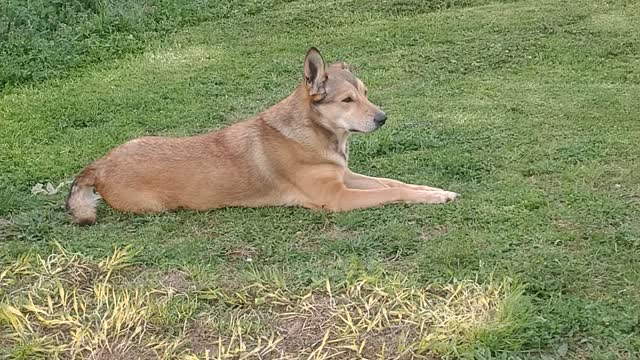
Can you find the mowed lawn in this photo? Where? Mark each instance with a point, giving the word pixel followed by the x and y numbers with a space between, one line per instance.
pixel 529 109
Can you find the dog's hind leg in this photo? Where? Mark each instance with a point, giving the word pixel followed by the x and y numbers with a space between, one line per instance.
pixel 134 201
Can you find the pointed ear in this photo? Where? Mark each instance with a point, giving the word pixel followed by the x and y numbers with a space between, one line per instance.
pixel 314 74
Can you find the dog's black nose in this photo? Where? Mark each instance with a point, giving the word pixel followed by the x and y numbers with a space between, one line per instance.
pixel 380 118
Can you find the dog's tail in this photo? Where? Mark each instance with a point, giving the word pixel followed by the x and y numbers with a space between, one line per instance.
pixel 81 201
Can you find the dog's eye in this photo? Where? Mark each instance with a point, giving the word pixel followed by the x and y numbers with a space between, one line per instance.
pixel 347 99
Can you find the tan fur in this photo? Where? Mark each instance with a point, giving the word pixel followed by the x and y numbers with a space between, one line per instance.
pixel 293 154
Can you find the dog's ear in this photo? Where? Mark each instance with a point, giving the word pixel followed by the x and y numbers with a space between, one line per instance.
pixel 315 75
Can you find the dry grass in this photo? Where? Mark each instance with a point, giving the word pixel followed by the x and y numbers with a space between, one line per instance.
pixel 380 317
pixel 66 306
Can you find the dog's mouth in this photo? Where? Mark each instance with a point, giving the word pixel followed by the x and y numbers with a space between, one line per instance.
pixel 356 131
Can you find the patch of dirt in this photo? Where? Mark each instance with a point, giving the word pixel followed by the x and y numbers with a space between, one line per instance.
pixel 121 352
pixel 242 252
pixel 302 334
pixel 81 276
pixel 299 334
pixel 389 339
pixel 175 280
pixel 304 331
pixel 200 337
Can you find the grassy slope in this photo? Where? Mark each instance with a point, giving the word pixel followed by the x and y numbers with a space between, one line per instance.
pixel 43 39
pixel 527 109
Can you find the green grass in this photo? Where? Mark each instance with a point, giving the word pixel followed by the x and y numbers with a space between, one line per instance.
pixel 528 109
pixel 46 39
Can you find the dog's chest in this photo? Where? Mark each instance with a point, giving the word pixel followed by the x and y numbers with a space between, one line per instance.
pixel 341 151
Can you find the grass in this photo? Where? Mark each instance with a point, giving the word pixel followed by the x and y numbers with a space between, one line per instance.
pixel 528 109
pixel 50 39
pixel 66 306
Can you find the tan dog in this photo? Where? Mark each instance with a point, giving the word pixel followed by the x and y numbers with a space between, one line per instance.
pixel 293 154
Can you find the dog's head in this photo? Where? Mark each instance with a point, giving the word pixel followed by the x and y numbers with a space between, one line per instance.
pixel 338 98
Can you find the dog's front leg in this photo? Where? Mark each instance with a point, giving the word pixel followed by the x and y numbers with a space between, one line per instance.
pixel 357 181
pixel 334 195
pixel 363 182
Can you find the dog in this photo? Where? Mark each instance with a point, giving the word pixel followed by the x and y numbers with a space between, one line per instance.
pixel 293 154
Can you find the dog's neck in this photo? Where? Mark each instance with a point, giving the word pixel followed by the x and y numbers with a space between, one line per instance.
pixel 293 118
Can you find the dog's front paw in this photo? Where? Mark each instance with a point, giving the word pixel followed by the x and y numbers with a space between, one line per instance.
pixel 437 197
pixel 445 196
pixel 450 195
